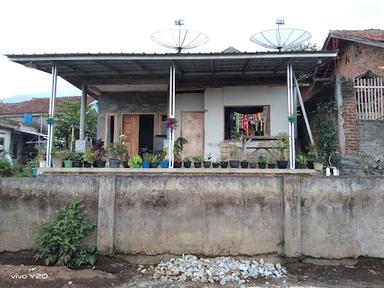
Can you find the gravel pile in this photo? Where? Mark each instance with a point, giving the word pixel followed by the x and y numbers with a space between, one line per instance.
pixel 221 269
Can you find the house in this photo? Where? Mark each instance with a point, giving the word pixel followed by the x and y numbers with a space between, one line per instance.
pixel 214 96
pixel 23 124
pixel 358 88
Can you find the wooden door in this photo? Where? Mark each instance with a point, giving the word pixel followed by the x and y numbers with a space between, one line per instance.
pixel 192 129
pixel 131 131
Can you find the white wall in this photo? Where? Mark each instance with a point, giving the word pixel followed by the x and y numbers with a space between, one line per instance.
pixel 6 134
pixel 188 102
pixel 215 99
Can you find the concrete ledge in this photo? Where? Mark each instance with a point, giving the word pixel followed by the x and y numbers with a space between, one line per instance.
pixel 175 171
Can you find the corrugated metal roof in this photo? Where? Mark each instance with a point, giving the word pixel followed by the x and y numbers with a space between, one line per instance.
pixel 191 68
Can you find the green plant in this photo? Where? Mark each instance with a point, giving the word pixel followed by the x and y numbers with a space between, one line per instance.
pixel 197 158
pixel 209 157
pixel 155 159
pixel 302 158
pixel 76 156
pixel 188 159
pixel 282 144
pixel 59 240
pixel 5 168
pixel 262 159
pixel 147 157
pixel 135 160
pixel 326 130
pixel 234 152
pixel 88 156
pixel 60 154
pixel 114 151
pixel 178 148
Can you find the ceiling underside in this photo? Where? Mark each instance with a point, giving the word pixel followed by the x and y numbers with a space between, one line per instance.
pixel 150 72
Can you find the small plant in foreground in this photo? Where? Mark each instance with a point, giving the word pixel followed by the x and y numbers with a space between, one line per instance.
pixel 59 239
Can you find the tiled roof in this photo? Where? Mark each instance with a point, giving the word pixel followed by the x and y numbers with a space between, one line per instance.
pixel 370 34
pixel 36 105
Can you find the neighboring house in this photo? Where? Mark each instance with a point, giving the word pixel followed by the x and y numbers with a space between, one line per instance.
pixel 22 125
pixel 214 96
pixel 358 88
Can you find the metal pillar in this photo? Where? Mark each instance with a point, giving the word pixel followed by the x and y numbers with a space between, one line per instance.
pixel 291 110
pixel 304 112
pixel 51 116
pixel 171 113
pixel 83 108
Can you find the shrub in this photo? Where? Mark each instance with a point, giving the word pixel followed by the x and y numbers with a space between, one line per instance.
pixel 5 168
pixel 59 239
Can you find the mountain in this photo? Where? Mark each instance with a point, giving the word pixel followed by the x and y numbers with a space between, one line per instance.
pixel 26 97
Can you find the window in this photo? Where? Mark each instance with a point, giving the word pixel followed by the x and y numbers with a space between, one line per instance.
pixel 249 120
pixel 111 129
pixel 369 92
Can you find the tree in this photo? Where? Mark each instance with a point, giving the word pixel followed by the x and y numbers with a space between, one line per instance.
pixel 305 47
pixel 68 117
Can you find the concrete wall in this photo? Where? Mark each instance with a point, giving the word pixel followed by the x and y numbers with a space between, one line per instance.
pixel 215 214
pixel 6 134
pixel 371 137
pixel 218 98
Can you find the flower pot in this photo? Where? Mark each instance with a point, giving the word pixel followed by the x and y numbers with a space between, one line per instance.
pixel 253 165
pixel 310 165
pixel 114 163
pixel 187 164
pixel 99 163
pixel 67 164
pixel 234 163
pixel 224 164
pixel 177 164
pixel 262 165
pixel 215 164
pixel 154 165
pixel 77 164
pixel 302 165
pixel 87 164
pixel 57 163
pixel 35 171
pixel 197 164
pixel 207 164
pixel 271 165
pixel 318 166
pixel 125 164
pixel 282 164
pixel 244 164
pixel 164 163
pixel 146 164
pixel 137 165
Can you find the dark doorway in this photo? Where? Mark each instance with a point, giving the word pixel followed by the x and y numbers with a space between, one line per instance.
pixel 146 133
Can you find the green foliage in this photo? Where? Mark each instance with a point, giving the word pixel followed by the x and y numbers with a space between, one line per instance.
pixel 178 147
pixel 326 130
pixel 282 144
pixel 75 156
pixel 209 157
pixel 147 157
pixel 59 239
pixel 188 159
pixel 155 158
pixel 197 158
pixel 305 47
pixel 61 154
pixel 68 117
pixel 5 168
pixel 262 159
pixel 88 156
pixel 135 160
pixel 302 158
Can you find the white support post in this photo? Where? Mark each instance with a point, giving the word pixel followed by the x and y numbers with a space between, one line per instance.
pixel 51 116
pixel 171 113
pixel 291 109
pixel 83 109
pixel 304 112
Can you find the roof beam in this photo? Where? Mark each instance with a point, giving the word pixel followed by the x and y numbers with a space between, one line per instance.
pixel 140 65
pixel 247 65
pixel 71 67
pixel 108 66
pixel 178 70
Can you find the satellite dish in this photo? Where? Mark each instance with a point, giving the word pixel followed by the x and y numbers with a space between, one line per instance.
pixel 179 39
pixel 281 39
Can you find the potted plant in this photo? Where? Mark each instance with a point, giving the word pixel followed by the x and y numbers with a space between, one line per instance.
pixel 271 163
pixel 318 165
pixel 67 159
pixel 187 162
pixel 244 164
pixel 88 158
pixel 155 161
pixel 216 164
pixel 224 163
pixel 114 152
pixel 234 162
pixel 147 158
pixel 57 158
pixel 197 160
pixel 164 163
pixel 207 162
pixel 98 153
pixel 262 161
pixel 77 158
pixel 177 150
pixel 40 157
pixel 135 161
pixel 301 160
pixel 282 145
pixel 253 164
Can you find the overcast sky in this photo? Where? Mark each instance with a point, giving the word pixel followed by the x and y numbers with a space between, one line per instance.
pixel 52 26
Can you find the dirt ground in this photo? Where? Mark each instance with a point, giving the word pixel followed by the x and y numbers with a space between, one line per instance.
pixel 20 270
